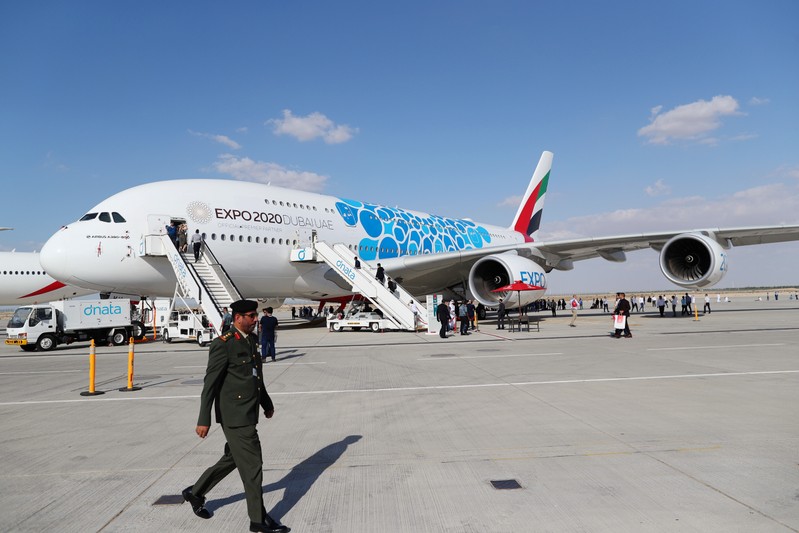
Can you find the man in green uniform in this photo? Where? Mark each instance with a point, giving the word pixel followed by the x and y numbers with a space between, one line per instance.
pixel 234 384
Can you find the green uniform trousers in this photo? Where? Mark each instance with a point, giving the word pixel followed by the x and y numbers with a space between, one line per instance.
pixel 242 452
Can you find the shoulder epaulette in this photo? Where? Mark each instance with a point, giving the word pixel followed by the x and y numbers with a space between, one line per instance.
pixel 226 336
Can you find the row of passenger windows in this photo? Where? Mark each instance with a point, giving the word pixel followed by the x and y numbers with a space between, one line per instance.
pixel 281 203
pixel 23 273
pixel 250 238
pixel 104 217
pixel 287 242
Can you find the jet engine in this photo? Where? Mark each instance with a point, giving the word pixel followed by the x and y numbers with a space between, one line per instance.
pixel 693 260
pixel 495 271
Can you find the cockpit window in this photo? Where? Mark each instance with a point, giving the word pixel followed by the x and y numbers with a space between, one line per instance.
pixel 117 217
pixel 88 216
pixel 105 217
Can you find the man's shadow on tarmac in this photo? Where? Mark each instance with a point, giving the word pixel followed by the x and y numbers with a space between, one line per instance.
pixel 299 480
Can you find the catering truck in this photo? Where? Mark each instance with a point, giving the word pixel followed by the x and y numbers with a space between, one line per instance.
pixel 45 326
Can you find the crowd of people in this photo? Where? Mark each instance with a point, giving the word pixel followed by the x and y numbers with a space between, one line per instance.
pixel 451 312
pixel 178 234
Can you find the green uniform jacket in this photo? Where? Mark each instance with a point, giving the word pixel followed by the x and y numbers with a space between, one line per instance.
pixel 230 384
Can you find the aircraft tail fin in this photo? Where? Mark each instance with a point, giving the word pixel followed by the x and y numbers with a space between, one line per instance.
pixel 528 217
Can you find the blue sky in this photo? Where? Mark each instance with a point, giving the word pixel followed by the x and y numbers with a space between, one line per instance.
pixel 661 115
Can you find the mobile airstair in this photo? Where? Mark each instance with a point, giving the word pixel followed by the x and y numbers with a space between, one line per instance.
pixel 204 281
pixel 395 305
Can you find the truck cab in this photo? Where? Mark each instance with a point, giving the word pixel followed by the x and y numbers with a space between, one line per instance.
pixel 36 323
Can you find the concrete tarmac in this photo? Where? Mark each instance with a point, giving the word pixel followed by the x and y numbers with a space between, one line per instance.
pixel 690 425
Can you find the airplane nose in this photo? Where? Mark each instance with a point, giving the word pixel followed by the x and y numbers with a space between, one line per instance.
pixel 54 256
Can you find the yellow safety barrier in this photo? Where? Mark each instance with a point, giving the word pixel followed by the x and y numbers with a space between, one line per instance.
pixel 130 386
pixel 92 368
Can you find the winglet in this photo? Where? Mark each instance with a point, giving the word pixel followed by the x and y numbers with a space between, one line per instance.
pixel 528 217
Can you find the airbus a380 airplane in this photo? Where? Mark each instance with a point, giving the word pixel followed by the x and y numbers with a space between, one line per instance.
pixel 252 228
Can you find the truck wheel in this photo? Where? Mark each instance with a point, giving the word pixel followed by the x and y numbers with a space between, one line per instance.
pixel 118 337
pixel 336 326
pixel 46 343
pixel 200 341
pixel 374 326
pixel 165 336
pixel 28 347
pixel 138 330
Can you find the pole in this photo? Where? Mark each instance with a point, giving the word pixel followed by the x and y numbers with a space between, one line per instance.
pixel 130 386
pixel 155 321
pixel 92 365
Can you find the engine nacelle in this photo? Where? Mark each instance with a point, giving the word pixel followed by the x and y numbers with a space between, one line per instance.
pixel 693 260
pixel 495 271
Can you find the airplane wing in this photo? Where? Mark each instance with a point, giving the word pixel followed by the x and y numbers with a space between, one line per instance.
pixel 579 249
pixel 424 273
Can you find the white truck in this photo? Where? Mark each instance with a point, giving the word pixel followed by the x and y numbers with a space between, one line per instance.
pixel 186 325
pixel 45 326
pixel 359 320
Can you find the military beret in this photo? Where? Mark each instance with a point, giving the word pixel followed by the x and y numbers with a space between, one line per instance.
pixel 243 306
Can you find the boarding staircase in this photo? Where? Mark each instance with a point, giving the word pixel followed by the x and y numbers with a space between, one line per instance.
pixel 395 306
pixel 204 281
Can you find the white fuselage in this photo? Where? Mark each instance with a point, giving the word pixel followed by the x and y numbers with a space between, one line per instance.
pixel 251 228
pixel 23 281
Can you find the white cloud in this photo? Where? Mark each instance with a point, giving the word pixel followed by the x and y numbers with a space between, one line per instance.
pixel 776 203
pixel 221 139
pixel 658 189
pixel 511 201
pixel 690 122
pixel 311 127
pixel 758 101
pixel 51 163
pixel 245 169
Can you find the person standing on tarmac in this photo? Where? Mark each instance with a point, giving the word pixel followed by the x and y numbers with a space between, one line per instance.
pixel 234 385
pixel 574 304
pixel 463 316
pixel 442 315
pixel 268 325
pixel 623 308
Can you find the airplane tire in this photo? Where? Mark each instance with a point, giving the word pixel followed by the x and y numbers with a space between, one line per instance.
pixel 374 326
pixel 46 343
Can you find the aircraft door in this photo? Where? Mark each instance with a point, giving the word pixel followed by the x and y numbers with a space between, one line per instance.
pixel 150 243
pixel 305 237
pixel 156 224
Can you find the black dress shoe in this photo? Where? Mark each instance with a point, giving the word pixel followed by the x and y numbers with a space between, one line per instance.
pixel 264 527
pixel 197 503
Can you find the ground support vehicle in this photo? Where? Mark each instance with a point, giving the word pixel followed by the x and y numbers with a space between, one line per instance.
pixel 187 325
pixel 373 321
pixel 45 326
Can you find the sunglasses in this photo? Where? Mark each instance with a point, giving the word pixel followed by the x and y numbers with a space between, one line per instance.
pixel 251 315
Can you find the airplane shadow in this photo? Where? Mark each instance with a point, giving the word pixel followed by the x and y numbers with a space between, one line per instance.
pixel 299 480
